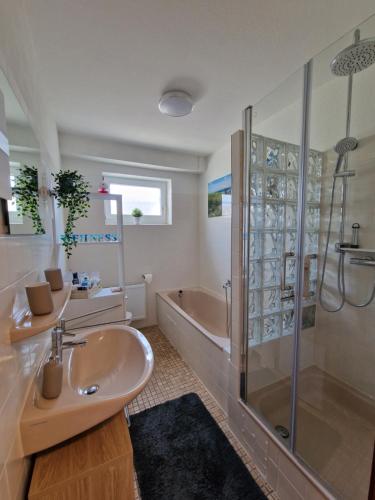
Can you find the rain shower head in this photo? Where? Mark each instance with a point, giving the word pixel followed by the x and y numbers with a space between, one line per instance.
pixel 357 57
pixel 345 145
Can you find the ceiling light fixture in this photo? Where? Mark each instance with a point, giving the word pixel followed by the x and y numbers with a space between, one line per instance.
pixel 176 103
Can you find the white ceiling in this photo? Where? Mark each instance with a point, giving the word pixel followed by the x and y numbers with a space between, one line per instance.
pixel 104 63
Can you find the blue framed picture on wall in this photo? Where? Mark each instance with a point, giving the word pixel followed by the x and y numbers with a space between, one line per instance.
pixel 220 196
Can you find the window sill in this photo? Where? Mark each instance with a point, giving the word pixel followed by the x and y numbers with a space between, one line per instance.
pixel 142 225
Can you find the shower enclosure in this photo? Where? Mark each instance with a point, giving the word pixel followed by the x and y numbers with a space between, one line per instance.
pixel 309 263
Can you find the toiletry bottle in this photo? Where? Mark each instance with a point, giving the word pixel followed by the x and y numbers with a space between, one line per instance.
pixel 52 378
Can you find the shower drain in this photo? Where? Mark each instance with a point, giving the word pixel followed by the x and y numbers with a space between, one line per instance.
pixel 90 389
pixel 282 431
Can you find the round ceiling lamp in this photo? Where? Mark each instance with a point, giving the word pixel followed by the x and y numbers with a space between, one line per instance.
pixel 176 103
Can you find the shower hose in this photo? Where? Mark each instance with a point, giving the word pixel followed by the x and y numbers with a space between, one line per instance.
pixel 341 266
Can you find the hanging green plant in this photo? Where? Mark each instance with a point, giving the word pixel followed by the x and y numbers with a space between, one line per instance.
pixel 26 193
pixel 71 193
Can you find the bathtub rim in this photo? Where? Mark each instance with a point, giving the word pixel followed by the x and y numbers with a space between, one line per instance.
pixel 222 343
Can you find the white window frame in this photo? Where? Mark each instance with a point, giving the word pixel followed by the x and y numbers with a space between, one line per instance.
pixel 165 186
pixel 14 216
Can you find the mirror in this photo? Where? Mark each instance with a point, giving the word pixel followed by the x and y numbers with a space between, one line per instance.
pixel 21 213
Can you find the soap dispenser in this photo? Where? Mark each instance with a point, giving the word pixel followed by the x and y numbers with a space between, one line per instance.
pixel 52 378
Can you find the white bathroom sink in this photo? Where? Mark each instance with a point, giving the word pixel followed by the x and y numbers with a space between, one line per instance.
pixel 113 367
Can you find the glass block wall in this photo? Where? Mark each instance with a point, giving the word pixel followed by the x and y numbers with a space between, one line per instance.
pixel 273 231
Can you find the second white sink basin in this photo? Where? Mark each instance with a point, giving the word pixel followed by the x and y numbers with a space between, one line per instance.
pixel 99 378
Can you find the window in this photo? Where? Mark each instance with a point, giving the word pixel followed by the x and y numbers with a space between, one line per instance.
pixel 152 195
pixel 14 216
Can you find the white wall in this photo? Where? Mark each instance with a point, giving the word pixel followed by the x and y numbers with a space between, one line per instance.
pixel 214 232
pixel 21 258
pixel 105 150
pixel 195 250
pixel 169 252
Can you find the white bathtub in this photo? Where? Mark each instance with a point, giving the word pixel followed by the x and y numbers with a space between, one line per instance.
pixel 195 324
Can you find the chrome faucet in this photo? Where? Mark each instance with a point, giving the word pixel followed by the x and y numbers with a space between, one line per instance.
pixel 60 330
pixel 57 340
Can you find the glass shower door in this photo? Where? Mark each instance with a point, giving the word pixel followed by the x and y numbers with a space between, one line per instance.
pixel 273 188
pixel 309 263
pixel 335 410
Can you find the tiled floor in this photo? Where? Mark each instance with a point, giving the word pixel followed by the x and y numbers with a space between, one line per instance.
pixel 172 378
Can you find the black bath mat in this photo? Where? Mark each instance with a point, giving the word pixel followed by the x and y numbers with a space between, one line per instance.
pixel 180 453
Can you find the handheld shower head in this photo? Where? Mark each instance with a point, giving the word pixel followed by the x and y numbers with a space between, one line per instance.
pixel 342 147
pixel 345 145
